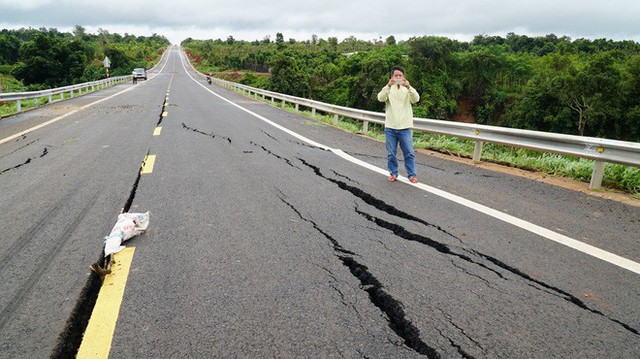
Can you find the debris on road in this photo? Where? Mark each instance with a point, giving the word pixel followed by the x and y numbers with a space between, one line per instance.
pixel 127 226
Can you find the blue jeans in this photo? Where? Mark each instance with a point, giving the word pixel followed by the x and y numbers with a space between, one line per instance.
pixel 392 138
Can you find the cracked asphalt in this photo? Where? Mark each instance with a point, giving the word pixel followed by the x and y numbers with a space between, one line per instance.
pixel 261 245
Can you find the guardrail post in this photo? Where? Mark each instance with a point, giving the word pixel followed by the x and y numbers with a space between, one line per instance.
pixel 284 103
pixel 50 98
pixel 71 94
pixel 597 174
pixel 263 97
pixel 297 107
pixel 35 102
pixel 273 100
pixel 335 119
pixel 313 112
pixel 18 107
pixel 365 127
pixel 477 151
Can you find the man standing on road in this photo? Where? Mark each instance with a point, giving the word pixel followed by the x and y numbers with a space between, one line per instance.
pixel 398 96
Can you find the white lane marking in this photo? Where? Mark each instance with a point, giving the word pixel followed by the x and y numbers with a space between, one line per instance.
pixel 7 139
pixel 528 226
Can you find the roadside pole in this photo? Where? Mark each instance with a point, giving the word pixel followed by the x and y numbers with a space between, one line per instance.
pixel 107 65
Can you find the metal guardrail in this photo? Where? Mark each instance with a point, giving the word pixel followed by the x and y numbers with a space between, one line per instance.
pixel 602 151
pixel 18 97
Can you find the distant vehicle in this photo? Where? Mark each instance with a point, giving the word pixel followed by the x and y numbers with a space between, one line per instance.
pixel 139 73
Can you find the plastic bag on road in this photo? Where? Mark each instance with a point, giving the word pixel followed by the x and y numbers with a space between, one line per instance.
pixel 128 225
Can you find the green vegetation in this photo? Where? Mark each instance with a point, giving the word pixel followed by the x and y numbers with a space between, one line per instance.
pixel 33 59
pixel 554 84
pixel 618 177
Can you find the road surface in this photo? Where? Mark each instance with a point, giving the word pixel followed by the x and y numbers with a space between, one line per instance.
pixel 273 235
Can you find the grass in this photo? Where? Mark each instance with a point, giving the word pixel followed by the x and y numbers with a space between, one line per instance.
pixel 9 108
pixel 619 177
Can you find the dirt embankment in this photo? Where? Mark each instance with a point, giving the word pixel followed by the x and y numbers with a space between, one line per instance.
pixel 465 113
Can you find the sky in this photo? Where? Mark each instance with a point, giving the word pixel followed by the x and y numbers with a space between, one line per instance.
pixel 299 19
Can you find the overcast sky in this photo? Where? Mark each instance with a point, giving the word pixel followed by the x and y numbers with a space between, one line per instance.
pixel 299 19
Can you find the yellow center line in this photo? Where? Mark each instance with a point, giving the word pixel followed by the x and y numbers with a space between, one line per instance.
pixel 157 130
pixel 147 165
pixel 96 342
pixel 165 114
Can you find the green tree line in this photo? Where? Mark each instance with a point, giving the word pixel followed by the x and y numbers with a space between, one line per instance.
pixel 550 83
pixel 45 58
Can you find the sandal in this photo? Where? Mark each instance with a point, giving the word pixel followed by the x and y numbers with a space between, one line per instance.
pixel 413 179
pixel 393 178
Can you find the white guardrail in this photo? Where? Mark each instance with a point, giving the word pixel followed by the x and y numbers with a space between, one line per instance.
pixel 602 151
pixel 18 97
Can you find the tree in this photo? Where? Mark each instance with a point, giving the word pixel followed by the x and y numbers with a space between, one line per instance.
pixel 41 61
pixel 592 92
pixel 48 58
pixel 546 83
pixel 279 38
pixel 79 32
pixel 391 40
pixel 433 69
pixel 119 59
pixel 288 77
pixel 333 42
pixel 628 127
pixel 9 49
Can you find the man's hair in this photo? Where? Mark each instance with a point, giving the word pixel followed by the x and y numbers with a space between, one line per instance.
pixel 399 68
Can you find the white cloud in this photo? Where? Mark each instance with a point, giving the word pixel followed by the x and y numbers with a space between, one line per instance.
pixel 253 19
pixel 25 5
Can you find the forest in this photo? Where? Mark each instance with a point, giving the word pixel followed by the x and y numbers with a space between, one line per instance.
pixel 35 59
pixel 550 83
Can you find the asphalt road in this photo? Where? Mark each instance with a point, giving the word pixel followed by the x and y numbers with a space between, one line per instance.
pixel 261 245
